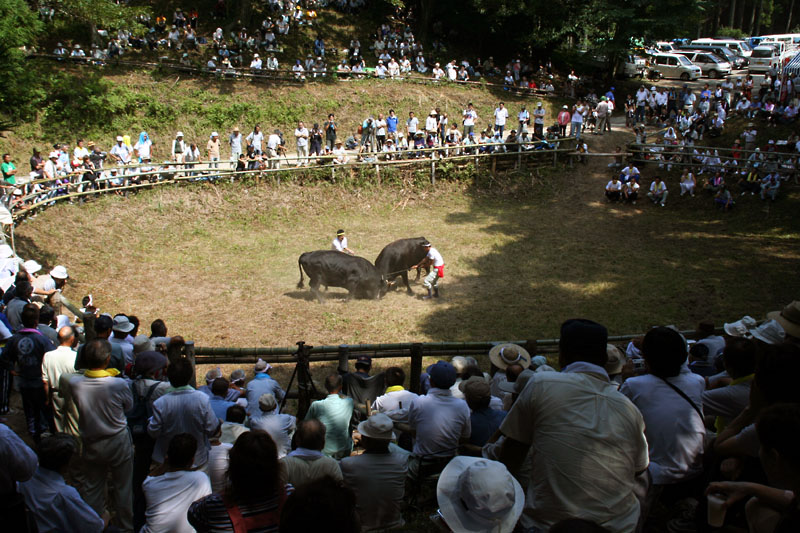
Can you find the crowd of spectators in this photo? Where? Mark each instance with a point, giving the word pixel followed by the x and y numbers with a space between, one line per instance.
pixel 697 429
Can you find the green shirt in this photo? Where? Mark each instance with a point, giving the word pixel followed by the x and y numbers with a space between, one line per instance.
pixel 6 168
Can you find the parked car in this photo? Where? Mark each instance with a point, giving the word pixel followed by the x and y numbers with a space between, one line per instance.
pixel 764 58
pixel 711 65
pixel 736 46
pixel 676 66
pixel 723 52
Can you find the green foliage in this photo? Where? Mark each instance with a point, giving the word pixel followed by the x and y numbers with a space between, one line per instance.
pixel 18 27
pixel 106 14
pixel 734 33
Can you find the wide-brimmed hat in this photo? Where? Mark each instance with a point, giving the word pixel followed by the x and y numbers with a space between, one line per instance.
pixel 143 343
pixel 122 324
pixel 770 332
pixel 267 402
pixel 59 272
pixel 789 318
pixel 476 494
pixel 262 366
pixel 378 426
pixel 503 355
pixel 741 327
pixel 616 359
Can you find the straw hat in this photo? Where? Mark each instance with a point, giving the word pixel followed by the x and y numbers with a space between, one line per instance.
pixel 503 355
pixel 789 318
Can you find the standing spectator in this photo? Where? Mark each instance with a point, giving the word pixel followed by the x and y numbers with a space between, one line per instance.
pixel 178 148
pixel 330 128
pixel 593 477
pixel 235 142
pixel 219 397
pixel 470 116
pixel 576 122
pixel 500 117
pixel 334 412
pixel 102 402
pixel 120 152
pixel 307 464
pixel 440 421
pixel 56 363
pixel 315 140
pixel 26 351
pixel 170 494
pixel 255 492
pixel 377 476
pixel 55 505
pixel 184 410
pixel 261 383
pixel 391 125
pixel 18 465
pixel 301 135
pixel 380 132
pixel 279 426
pixel 119 337
pixel 143 147
pixel 602 115
pixel 411 126
pixel 213 149
pixel 563 120
pixel 538 121
pixel 22 295
pixel 9 170
pixel 255 139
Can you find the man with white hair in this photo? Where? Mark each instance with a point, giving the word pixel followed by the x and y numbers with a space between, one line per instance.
pixel 262 383
pixel 56 363
pixel 279 426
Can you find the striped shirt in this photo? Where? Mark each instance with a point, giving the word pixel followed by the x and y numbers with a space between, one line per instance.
pixel 210 514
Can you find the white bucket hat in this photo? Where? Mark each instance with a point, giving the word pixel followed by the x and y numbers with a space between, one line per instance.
pixel 479 495
pixel 31 266
pixel 740 327
pixel 378 426
pixel 770 332
pixel 59 272
pixel 6 251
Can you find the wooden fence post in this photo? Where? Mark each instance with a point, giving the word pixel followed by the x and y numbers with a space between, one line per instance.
pixel 416 367
pixel 433 171
pixel 188 351
pixel 344 356
pixel 378 172
pixel 494 166
pixel 303 379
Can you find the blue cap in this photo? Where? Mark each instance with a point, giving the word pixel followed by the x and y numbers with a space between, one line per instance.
pixel 443 375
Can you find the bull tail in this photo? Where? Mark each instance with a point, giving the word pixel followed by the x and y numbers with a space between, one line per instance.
pixel 300 266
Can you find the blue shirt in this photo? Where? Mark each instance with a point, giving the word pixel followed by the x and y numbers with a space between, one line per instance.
pixel 262 383
pixel 391 124
pixel 484 423
pixel 220 406
pixel 57 506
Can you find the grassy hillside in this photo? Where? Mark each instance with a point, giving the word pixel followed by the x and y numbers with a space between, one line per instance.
pixel 122 103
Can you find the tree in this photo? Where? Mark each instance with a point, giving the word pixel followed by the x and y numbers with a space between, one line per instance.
pixel 19 27
pixel 106 14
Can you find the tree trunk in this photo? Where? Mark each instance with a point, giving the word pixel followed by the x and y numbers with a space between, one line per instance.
pixel 751 27
pixel 789 16
pixel 717 17
pixel 759 9
pixel 740 18
pixel 732 14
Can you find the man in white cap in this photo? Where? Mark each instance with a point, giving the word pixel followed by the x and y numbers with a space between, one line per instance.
pixel 49 287
pixel 377 476
pixel 119 333
pixel 262 383
pixel 279 426
pixel 178 148
pixel 538 120
pixel 479 495
pixel 212 149
pixel 235 142
pixel 120 152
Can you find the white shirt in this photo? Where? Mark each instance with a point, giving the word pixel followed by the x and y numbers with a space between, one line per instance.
pixel 431 124
pixel 302 136
pixel 391 401
pixel 675 432
pixel 500 116
pixel 440 422
pixel 411 124
pixel 339 245
pixel 469 117
pixel 143 148
pixel 121 150
pixel 611 186
pixel 255 140
pixel 538 115
pixel 434 255
pixel 169 497
pixel 587 442
pixel 273 141
pixel 658 188
pixel 79 152
pixel 218 466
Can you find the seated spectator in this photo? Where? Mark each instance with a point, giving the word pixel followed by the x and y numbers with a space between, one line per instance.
pixel 476 494
pixel 169 494
pixel 377 476
pixel 769 187
pixel 724 199
pixel 334 412
pixel 279 426
pixel 306 464
pixel 219 402
pixel 233 426
pixel 669 397
pixel 614 190
pixel 438 420
pixel 727 401
pixel 688 183
pixel 658 192
pixel 484 420
pixel 55 505
pixel 631 191
pixel 334 506
pixel 255 489
pixel 395 397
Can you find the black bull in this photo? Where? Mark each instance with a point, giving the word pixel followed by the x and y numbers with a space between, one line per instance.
pixel 336 269
pixel 397 257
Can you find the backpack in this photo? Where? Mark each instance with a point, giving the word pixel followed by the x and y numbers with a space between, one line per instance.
pixel 141 411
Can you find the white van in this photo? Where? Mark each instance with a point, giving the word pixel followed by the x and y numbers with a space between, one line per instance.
pixel 712 66
pixel 675 66
pixel 764 58
pixel 790 40
pixel 736 46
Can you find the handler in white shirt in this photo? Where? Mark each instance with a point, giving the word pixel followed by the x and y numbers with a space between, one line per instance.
pixel 340 243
